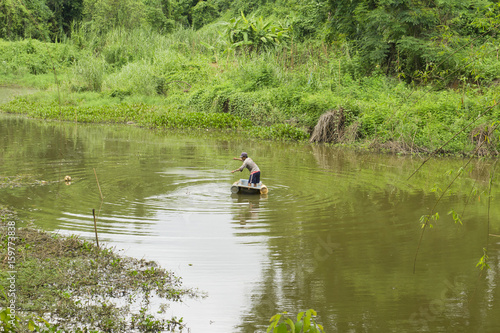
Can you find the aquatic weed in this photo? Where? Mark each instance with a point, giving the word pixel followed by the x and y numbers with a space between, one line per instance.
pixel 74 285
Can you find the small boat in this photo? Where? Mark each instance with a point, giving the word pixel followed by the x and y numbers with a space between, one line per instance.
pixel 241 186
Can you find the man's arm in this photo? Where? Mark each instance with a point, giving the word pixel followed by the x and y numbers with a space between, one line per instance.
pixel 240 168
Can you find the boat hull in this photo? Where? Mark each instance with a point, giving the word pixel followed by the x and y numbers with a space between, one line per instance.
pixel 241 186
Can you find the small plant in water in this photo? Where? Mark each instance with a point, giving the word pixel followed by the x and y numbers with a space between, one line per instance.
pixel 9 321
pixel 483 262
pixel 305 323
pixel 145 322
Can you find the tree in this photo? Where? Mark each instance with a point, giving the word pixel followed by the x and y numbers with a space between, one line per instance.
pixel 107 14
pixel 64 13
pixel 203 13
pixel 403 36
pixel 28 19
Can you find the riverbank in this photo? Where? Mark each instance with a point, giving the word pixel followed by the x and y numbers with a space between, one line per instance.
pixel 64 283
pixel 432 129
pixel 262 95
pixel 144 115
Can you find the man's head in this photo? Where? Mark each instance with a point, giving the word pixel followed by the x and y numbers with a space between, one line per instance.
pixel 244 155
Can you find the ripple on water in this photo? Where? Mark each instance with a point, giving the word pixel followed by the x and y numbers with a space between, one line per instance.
pixel 349 213
pixel 115 224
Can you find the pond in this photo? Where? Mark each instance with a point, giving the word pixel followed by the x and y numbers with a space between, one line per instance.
pixel 337 232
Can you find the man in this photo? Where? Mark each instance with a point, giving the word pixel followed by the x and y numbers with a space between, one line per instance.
pixel 251 166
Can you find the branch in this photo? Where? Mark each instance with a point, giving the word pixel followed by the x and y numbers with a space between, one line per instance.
pixel 439 199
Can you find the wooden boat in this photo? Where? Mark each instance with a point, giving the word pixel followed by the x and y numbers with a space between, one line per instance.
pixel 241 186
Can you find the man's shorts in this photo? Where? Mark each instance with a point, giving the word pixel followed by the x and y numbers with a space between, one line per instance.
pixel 254 178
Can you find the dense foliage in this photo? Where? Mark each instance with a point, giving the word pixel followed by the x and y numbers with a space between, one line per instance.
pixel 405 73
pixel 406 38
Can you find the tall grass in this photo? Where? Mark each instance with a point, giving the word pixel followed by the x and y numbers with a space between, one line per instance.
pixel 191 71
pixel 89 71
pixel 135 78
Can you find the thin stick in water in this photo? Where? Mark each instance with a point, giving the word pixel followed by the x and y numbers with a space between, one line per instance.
pixel 489 201
pixel 95 228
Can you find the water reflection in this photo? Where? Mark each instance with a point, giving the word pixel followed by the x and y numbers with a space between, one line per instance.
pixel 247 207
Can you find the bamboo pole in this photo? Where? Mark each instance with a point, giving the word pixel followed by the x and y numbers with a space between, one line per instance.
pixel 95 173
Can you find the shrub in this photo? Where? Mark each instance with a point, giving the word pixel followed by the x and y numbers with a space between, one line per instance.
pixel 35 57
pixel 255 34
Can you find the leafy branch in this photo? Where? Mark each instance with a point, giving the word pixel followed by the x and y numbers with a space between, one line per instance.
pixel 425 220
pixel 483 262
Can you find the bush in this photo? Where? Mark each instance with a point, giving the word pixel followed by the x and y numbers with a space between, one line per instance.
pixel 35 57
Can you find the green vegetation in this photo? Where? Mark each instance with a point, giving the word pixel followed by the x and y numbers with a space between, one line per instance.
pixel 69 284
pixel 281 323
pixel 407 76
pixel 141 113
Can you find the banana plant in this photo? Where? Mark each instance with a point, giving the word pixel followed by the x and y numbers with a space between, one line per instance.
pixel 254 33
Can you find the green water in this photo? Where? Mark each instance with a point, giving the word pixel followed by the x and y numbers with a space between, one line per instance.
pixel 337 232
